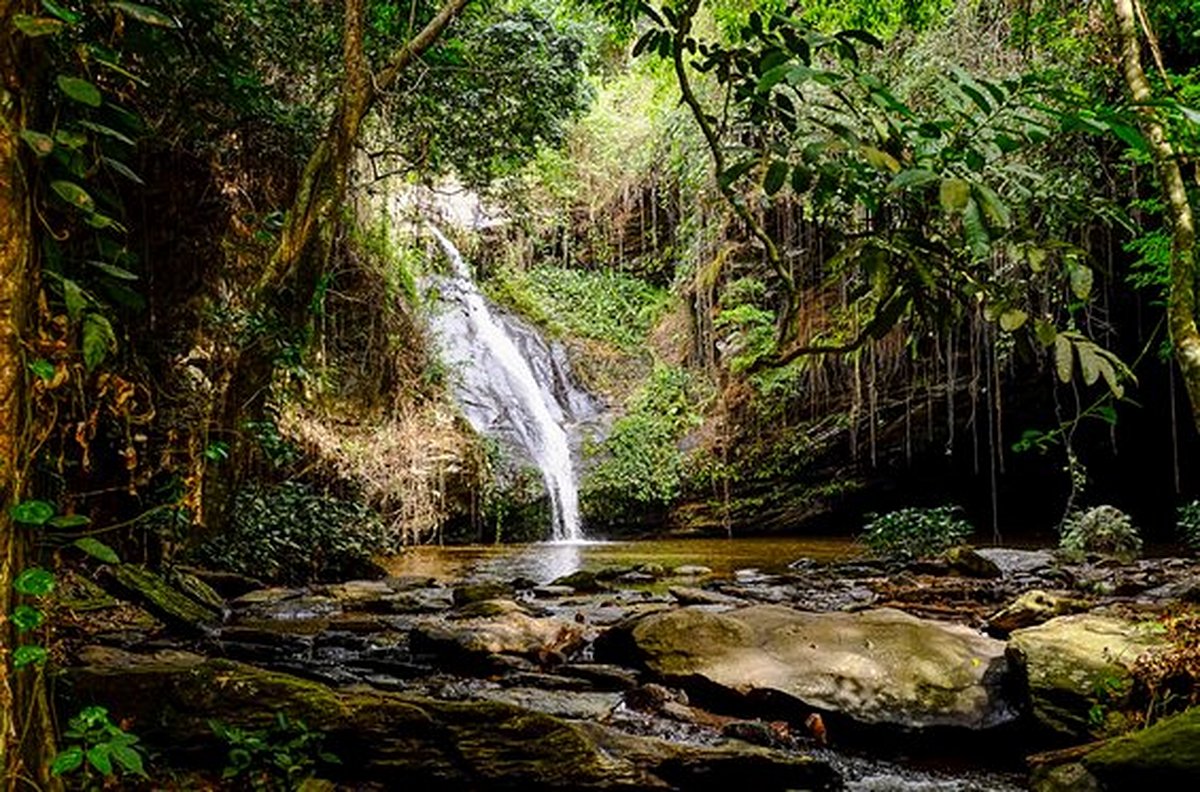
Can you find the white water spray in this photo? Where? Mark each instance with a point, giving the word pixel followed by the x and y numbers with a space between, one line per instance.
pixel 540 420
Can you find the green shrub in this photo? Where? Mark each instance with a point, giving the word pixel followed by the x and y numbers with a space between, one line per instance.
pixel 1188 523
pixel 96 751
pixel 290 533
pixel 281 757
pixel 1105 530
pixel 913 532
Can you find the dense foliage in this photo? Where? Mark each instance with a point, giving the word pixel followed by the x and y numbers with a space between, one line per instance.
pixel 911 533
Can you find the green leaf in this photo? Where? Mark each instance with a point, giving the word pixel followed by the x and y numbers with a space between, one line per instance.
pixel 98 340
pixel 129 759
pixel 880 159
pixel 1081 277
pixel 776 176
pixel 107 131
pixel 41 143
pixel 146 14
pixel 42 368
pixel 1063 357
pixel 75 299
pixel 99 757
pixel 1089 363
pixel 994 210
pixel 119 273
pixel 65 14
pixel 97 550
pixel 954 195
pixel 1012 319
pixel 71 521
pixel 34 582
pixel 36 26
pixel 69 138
pixel 80 90
pixel 30 654
pixel 912 177
pixel 31 512
pixel 123 169
pixel 26 618
pixel 73 194
pixel 67 761
pixel 734 172
pixel 1045 332
pixel 978 240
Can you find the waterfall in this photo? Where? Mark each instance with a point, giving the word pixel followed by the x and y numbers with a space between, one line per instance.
pixel 501 388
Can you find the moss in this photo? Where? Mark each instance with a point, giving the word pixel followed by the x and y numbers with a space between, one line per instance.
pixel 162 599
pixel 1167 753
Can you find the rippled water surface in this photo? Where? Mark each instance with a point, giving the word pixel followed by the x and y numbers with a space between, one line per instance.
pixel 545 562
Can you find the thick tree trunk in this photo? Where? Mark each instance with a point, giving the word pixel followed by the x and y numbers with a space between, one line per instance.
pixel 1181 295
pixel 25 735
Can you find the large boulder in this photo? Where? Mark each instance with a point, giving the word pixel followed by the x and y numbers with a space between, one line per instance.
pixel 1078 668
pixel 877 666
pixel 508 632
pixel 426 744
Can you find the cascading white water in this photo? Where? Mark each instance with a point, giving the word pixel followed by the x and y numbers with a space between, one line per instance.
pixel 540 420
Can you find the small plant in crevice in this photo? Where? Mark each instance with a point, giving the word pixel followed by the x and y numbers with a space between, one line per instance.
pixel 97 751
pixel 280 757
pixel 1103 530
pixel 1187 522
pixel 292 533
pixel 905 534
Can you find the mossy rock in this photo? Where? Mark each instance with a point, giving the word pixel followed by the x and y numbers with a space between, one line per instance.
pixel 1165 756
pixel 165 601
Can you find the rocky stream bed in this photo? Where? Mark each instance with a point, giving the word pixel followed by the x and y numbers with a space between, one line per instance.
pixel 994 669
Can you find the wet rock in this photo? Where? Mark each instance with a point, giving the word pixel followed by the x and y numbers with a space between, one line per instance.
pixel 635 578
pixel 488 609
pixel 166 602
pixel 197 589
pixel 687 595
pixel 604 676
pixel 552 592
pixel 691 570
pixel 1075 663
pixel 1071 777
pixel 474 592
pixel 564 704
pixel 651 569
pixel 1011 561
pixel 229 585
pixel 513 633
pixel 876 666
pixel 400 583
pixel 967 561
pixel 581 581
pixel 268 595
pixel 356 592
pixel 1163 756
pixel 652 697
pixel 1032 608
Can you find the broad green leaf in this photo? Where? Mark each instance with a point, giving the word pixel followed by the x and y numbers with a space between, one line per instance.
pixel 1012 319
pixel 1089 363
pixel 75 299
pixel 65 14
pixel 129 759
pixel 98 340
pixel 776 176
pixel 978 240
pixel 120 273
pixel 107 131
pixel 734 172
pixel 954 195
pixel 123 169
pixel 97 550
pixel 146 14
pixel 73 194
pixel 880 159
pixel 80 90
pixel 42 368
pixel 913 177
pixel 994 210
pixel 36 26
pixel 1081 277
pixel 67 761
pixel 1063 357
pixel 29 654
pixel 1113 380
pixel 26 618
pixel 100 757
pixel 41 143
pixel 69 138
pixel 34 582
pixel 802 179
pixel 1045 332
pixel 70 521
pixel 31 512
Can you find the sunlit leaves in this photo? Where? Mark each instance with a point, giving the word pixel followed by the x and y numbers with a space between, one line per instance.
pixel 97 550
pixel 41 143
pixel 34 582
pixel 145 14
pixel 36 26
pixel 29 655
pixel 954 194
pixel 31 512
pixel 73 194
pixel 98 340
pixel 80 90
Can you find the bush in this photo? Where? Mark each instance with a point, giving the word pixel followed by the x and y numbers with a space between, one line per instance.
pixel 1188 523
pixel 909 533
pixel 1105 530
pixel 290 533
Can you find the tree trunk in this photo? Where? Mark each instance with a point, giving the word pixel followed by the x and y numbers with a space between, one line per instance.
pixel 1181 294
pixel 25 733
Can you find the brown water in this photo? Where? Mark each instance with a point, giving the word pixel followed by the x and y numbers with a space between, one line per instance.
pixel 545 562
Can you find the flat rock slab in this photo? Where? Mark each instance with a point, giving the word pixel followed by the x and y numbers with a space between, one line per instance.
pixel 513 633
pixel 877 666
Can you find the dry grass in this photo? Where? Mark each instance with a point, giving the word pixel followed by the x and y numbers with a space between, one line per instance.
pixel 415 467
